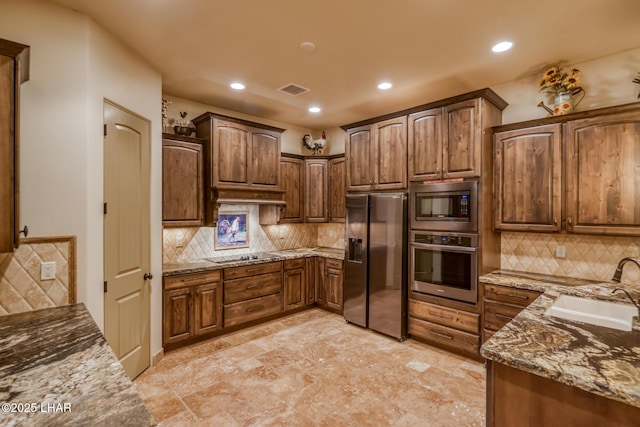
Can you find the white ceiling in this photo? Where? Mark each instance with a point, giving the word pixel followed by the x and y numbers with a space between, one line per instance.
pixel 429 49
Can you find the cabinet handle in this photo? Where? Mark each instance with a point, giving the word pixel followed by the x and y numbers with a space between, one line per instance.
pixel 438 334
pixel 251 270
pixel 189 279
pixel 252 309
pixel 502 294
pixel 25 231
pixel 555 221
pixel 259 285
pixel 502 316
pixel 433 313
pixel 570 221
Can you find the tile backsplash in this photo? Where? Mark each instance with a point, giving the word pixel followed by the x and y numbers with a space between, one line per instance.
pixel 198 242
pixel 21 288
pixel 587 256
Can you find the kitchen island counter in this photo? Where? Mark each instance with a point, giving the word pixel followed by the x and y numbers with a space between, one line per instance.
pixel 56 368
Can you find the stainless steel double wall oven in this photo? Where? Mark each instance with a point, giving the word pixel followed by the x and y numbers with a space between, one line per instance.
pixel 443 242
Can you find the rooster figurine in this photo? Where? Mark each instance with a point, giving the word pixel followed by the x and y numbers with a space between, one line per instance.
pixel 314 145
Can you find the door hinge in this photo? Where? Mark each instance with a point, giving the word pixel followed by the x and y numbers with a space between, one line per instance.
pixel 104 209
pixel 105 129
pixel 105 286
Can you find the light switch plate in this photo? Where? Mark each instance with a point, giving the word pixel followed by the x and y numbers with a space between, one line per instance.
pixel 48 270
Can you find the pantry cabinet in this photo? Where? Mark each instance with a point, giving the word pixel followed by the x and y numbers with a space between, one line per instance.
pixel 527 181
pixel 182 181
pixel 376 156
pixel 14 70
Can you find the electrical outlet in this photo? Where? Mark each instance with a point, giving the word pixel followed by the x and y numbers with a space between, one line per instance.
pixel 48 270
pixel 179 240
pixel 560 251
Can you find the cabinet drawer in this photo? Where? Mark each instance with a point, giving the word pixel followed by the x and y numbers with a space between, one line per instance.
pixel 252 287
pixel 334 263
pixel 183 280
pixel 256 308
pixel 290 264
pixel 514 296
pixel 469 322
pixel 497 315
pixel 442 335
pixel 252 270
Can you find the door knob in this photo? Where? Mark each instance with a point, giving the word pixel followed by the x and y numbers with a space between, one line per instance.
pixel 25 231
pixel 148 276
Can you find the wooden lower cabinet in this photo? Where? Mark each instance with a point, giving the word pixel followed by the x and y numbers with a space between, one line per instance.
pixel 333 284
pixel 311 273
pixel 500 304
pixel 192 306
pixel 294 283
pixel 253 309
pixel 447 327
pixel 518 398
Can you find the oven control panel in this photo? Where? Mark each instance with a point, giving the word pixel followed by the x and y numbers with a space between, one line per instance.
pixel 446 239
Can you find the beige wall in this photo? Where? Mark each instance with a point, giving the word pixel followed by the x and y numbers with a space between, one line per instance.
pixel 75 65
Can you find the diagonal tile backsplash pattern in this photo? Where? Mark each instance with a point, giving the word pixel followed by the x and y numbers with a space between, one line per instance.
pixel 587 257
pixel 198 242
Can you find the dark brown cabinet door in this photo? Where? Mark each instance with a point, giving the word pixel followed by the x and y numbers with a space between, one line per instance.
pixel 230 164
pixel 603 174
pixel 320 280
pixel 292 178
pixel 264 170
pixel 528 179
pixel 337 189
pixel 316 182
pixel 208 308
pixel 333 288
pixel 294 288
pixel 311 274
pixel 178 315
pixel 358 154
pixel 182 183
pixel 425 144
pixel 462 139
pixel 389 160
pixel 14 70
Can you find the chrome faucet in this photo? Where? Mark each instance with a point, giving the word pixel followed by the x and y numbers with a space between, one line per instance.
pixel 618 274
pixel 637 304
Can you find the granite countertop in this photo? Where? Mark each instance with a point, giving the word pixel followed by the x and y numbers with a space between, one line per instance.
pixel 209 264
pixel 600 360
pixel 57 363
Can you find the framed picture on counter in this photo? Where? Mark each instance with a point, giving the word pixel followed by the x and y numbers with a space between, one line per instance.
pixel 232 231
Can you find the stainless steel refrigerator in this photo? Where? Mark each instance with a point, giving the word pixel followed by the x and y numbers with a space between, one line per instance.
pixel 375 277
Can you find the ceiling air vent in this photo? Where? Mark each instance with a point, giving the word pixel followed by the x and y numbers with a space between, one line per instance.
pixel 293 89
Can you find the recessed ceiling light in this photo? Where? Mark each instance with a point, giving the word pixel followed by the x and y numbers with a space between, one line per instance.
pixel 307 46
pixel 384 86
pixel 314 109
pixel 502 46
pixel 237 86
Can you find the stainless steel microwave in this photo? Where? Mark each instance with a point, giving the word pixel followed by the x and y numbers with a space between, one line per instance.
pixel 444 206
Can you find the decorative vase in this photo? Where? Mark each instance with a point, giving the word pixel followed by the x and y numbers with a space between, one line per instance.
pixel 563 103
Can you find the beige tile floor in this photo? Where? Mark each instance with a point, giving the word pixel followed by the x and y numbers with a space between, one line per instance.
pixel 312 368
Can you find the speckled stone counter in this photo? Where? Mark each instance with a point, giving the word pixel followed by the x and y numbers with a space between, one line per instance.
pixel 600 360
pixel 198 266
pixel 57 361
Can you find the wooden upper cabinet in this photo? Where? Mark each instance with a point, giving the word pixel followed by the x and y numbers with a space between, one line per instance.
pixel 182 182
pixel 292 178
pixel 528 179
pixel 603 174
pixel 230 154
pixel 337 189
pixel 425 144
pixel 14 69
pixel 265 159
pixel 376 156
pixel 316 182
pixel 462 140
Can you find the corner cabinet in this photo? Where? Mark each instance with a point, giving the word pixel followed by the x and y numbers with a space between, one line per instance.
pixel 596 153
pixel 528 179
pixel 316 184
pixel 376 156
pixel 292 175
pixel 182 181
pixel 14 70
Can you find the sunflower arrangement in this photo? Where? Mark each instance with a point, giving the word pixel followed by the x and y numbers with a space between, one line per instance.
pixel 555 80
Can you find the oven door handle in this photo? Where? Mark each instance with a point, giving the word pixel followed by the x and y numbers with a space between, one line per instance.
pixel 445 248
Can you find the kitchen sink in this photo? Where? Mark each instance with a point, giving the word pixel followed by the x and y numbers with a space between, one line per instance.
pixel 595 312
